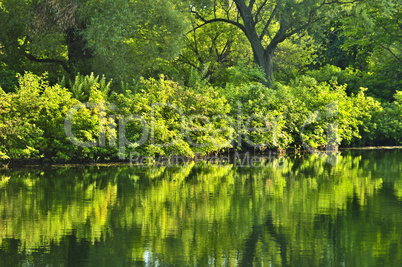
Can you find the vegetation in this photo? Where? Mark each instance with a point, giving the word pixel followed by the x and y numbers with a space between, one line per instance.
pixel 196 77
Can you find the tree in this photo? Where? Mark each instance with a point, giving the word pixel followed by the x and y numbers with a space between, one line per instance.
pixel 43 32
pixel 121 39
pixel 211 52
pixel 332 40
pixel 378 24
pixel 367 46
pixel 132 37
pixel 266 23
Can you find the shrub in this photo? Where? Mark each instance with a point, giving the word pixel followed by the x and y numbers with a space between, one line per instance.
pixel 304 112
pixel 382 82
pixel 389 122
pixel 33 122
pixel 160 117
pixel 342 117
pixel 353 78
pixel 172 119
pixel 8 80
pixel 258 116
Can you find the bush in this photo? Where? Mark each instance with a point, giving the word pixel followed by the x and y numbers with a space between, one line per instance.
pixel 33 122
pixel 382 83
pixel 343 118
pixel 389 122
pixel 8 80
pixel 162 118
pixel 257 112
pixel 353 78
pixel 304 112
pixel 190 120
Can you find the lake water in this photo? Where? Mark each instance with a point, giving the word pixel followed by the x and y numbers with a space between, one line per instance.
pixel 290 211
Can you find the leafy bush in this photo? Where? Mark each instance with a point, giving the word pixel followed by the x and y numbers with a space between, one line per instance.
pixel 167 119
pixel 389 122
pixel 382 83
pixel 162 118
pixel 240 74
pixel 304 112
pixel 353 78
pixel 258 116
pixel 33 121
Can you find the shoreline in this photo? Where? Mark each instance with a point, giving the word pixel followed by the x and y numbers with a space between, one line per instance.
pixel 35 163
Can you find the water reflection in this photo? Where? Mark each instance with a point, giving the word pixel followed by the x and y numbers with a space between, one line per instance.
pixel 294 211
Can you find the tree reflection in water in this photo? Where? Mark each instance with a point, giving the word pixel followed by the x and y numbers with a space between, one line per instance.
pixel 302 212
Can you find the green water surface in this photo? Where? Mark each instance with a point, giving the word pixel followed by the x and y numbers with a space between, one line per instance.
pixel 289 211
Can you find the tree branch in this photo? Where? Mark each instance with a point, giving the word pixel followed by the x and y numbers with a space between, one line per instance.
pixel 185 60
pixel 196 48
pixel 215 9
pixel 392 53
pixel 213 43
pixel 48 60
pixel 391 34
pixel 305 26
pixel 225 52
pixel 312 13
pixel 269 21
pixel 257 14
pixel 251 4
pixel 237 24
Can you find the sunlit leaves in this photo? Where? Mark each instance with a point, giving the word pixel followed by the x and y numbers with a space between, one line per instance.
pixel 131 37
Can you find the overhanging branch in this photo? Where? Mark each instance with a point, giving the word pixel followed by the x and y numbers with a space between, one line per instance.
pixel 48 60
pixel 251 4
pixel 205 22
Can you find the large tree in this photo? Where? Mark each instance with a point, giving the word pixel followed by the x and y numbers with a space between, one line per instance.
pixel 119 38
pixel 266 23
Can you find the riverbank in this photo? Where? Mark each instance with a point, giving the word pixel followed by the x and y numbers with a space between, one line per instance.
pixel 226 157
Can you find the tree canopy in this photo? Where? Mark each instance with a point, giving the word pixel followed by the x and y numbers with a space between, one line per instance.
pixel 120 39
pixel 266 23
pixel 219 41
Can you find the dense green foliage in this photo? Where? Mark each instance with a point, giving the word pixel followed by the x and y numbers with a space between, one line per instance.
pixel 162 118
pixel 120 39
pixel 304 112
pixel 389 122
pixel 32 121
pixel 175 120
pixel 166 77
pixel 366 45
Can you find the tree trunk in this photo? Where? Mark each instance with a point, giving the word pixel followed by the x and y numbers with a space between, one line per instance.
pixel 262 57
pixel 260 60
pixel 269 66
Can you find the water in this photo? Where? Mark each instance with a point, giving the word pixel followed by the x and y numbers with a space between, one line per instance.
pixel 293 211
